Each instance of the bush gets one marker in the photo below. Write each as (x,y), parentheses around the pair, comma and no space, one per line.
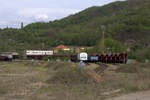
(58,66)
(129,69)
(143,54)
(132,55)
(69,75)
(111,45)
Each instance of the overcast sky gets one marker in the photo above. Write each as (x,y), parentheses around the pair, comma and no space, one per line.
(13,12)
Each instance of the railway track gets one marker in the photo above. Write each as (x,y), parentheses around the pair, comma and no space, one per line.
(101,68)
(96,74)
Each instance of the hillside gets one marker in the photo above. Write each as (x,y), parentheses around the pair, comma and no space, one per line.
(125,21)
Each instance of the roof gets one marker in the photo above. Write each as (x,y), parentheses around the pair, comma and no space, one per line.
(61,47)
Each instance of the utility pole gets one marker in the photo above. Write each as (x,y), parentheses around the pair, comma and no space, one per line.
(22,25)
(103,37)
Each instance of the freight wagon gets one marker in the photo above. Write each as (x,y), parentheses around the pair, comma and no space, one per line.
(14,55)
(6,57)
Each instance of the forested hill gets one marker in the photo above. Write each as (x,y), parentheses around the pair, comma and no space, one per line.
(125,21)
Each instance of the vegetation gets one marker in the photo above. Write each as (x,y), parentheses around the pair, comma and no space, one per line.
(126,26)
(51,80)
(124,21)
(70,76)
(143,54)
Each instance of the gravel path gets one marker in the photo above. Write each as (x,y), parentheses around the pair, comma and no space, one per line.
(145,95)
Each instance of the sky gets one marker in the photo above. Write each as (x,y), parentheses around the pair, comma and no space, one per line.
(13,12)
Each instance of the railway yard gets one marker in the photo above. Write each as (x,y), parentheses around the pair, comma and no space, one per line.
(45,75)
(75,50)
(42,80)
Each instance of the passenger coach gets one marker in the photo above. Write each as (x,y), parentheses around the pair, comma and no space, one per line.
(38,54)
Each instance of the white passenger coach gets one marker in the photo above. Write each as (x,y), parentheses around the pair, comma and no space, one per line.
(38,54)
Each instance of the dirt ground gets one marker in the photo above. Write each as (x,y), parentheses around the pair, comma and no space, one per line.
(144,95)
(29,81)
(20,81)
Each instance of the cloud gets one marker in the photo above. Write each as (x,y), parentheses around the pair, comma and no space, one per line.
(3,23)
(13,12)
(46,13)
(41,17)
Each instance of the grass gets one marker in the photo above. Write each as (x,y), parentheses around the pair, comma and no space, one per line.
(66,81)
(69,76)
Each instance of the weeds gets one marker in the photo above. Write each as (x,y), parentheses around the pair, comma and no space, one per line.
(69,76)
(51,80)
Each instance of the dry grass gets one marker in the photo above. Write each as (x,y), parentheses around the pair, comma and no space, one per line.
(33,81)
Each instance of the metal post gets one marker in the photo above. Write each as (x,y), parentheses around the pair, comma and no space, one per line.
(103,37)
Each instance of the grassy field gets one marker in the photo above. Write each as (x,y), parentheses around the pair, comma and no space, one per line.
(66,81)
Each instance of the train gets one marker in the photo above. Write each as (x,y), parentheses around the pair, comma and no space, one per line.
(8,56)
(5,58)
(83,56)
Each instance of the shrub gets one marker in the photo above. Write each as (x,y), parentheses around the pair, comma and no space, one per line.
(129,69)
(69,75)
(143,54)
